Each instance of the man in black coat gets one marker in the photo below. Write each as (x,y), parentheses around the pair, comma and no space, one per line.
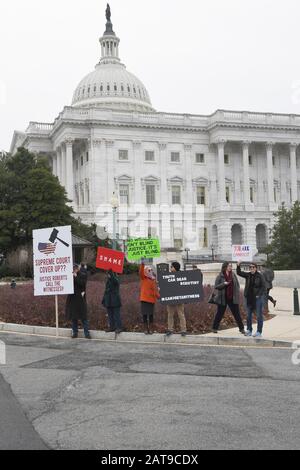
(112,302)
(255,291)
(268,275)
(76,307)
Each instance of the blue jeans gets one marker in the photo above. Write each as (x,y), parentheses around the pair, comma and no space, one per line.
(85,325)
(114,318)
(259,314)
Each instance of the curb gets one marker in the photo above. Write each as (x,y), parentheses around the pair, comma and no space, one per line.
(153,339)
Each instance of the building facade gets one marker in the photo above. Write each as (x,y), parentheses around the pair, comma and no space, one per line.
(239,167)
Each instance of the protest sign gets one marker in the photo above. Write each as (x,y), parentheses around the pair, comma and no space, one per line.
(242,253)
(143,248)
(53,261)
(110,260)
(183,287)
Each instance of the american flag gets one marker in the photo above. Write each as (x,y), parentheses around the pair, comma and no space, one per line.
(47,248)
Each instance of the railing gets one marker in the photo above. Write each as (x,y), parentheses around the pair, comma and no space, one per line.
(166,119)
(255,118)
(39,127)
(134,117)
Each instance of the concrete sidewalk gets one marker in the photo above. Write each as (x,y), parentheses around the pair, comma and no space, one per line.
(284,327)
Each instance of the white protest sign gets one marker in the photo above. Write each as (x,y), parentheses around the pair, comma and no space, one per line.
(242,253)
(53,261)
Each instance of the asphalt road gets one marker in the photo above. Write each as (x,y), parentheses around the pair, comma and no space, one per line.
(103,395)
(16,431)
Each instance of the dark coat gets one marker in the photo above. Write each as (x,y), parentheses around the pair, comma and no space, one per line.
(76,307)
(111,298)
(259,283)
(268,275)
(221,288)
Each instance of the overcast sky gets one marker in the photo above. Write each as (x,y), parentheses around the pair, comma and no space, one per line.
(194,56)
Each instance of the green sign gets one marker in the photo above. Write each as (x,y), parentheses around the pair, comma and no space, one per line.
(143,248)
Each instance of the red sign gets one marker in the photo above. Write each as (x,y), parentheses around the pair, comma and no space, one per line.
(110,260)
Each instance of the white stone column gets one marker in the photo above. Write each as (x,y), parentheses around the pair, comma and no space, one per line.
(58,163)
(188,172)
(221,174)
(69,176)
(110,184)
(250,233)
(293,157)
(246,175)
(138,174)
(63,166)
(270,174)
(224,239)
(163,156)
(54,164)
(97,173)
(165,234)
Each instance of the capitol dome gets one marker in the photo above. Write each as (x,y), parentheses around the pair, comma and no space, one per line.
(110,85)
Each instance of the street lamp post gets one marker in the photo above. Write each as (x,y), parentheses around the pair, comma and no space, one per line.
(187,250)
(124,243)
(114,204)
(212,252)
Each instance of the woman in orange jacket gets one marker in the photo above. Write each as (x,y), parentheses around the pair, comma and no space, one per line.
(148,297)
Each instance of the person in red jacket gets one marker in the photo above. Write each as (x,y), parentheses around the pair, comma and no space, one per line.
(148,296)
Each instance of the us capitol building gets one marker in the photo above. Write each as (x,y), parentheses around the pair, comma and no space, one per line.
(239,165)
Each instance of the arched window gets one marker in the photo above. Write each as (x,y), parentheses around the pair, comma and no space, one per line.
(237,234)
(261,237)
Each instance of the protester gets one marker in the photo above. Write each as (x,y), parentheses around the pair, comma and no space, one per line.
(268,275)
(148,296)
(179,309)
(112,302)
(228,288)
(255,291)
(76,307)
(83,268)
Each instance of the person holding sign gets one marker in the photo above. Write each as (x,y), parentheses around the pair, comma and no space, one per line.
(76,308)
(255,292)
(148,296)
(112,302)
(228,288)
(179,309)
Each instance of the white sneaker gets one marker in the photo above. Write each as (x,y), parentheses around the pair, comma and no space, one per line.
(257,335)
(248,333)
